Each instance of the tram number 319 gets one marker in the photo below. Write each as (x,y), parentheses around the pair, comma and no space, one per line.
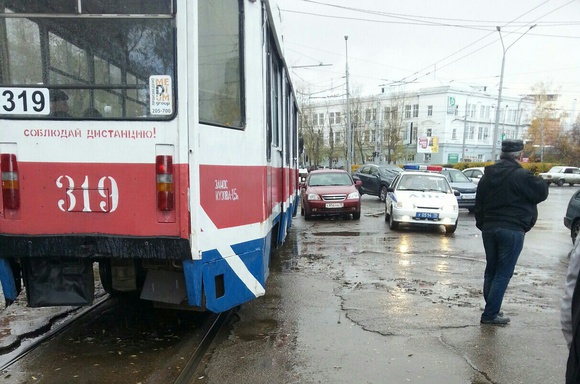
(105,195)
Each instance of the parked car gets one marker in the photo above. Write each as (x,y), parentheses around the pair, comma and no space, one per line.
(458,181)
(474,174)
(561,175)
(302,173)
(329,192)
(572,218)
(376,179)
(463,185)
(421,198)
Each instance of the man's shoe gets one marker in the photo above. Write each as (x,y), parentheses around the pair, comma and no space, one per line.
(497,321)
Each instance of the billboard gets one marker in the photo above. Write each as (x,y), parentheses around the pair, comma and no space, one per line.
(427,144)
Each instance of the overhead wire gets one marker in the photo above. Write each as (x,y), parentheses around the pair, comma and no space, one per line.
(408,17)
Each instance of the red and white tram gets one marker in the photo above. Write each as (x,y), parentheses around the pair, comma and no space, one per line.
(157,138)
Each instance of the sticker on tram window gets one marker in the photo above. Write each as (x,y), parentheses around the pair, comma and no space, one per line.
(160,94)
(24,101)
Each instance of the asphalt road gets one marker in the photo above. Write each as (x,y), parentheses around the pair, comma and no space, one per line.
(354,302)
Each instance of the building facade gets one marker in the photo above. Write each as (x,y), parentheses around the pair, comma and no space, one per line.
(432,125)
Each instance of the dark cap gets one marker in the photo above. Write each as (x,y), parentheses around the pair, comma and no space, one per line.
(512,145)
(57,95)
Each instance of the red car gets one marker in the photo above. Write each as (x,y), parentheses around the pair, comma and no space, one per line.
(330,192)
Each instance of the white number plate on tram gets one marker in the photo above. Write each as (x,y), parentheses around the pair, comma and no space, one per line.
(24,101)
(334,205)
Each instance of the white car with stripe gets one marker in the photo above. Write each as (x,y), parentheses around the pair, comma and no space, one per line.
(421,198)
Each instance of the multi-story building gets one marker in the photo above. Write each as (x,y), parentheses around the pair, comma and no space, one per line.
(437,124)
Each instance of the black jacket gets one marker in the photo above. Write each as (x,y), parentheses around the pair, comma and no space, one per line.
(507,196)
(573,364)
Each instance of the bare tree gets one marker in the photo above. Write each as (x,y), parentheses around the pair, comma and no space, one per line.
(544,131)
(393,127)
(310,131)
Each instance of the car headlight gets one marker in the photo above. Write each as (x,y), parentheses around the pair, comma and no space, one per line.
(450,207)
(405,205)
(313,196)
(353,195)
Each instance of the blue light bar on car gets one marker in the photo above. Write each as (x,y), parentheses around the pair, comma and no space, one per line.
(416,167)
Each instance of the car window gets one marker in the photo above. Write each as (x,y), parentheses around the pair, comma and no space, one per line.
(555,170)
(365,169)
(456,176)
(423,183)
(323,179)
(390,172)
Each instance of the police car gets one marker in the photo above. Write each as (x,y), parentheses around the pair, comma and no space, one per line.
(422,196)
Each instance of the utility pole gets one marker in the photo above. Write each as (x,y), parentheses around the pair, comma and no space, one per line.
(464,132)
(378,120)
(348,127)
(497,110)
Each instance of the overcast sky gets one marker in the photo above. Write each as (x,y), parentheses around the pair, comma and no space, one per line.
(393,41)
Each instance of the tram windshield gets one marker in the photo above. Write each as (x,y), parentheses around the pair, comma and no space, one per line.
(96,59)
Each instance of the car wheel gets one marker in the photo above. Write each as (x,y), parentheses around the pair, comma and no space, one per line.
(356,216)
(575,230)
(471,210)
(383,193)
(451,228)
(386,214)
(571,184)
(307,216)
(560,182)
(394,225)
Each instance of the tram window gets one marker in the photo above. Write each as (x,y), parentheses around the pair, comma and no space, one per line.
(105,63)
(220,85)
(24,53)
(148,7)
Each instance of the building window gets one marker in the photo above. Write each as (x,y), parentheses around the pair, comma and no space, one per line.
(429,110)
(407,111)
(480,133)
(472,111)
(320,119)
(485,133)
(415,110)
(411,157)
(370,114)
(454,134)
(471,132)
(387,113)
(429,131)
(427,157)
(480,158)
(334,118)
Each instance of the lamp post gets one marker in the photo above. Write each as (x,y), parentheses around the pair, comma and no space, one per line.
(497,110)
(348,127)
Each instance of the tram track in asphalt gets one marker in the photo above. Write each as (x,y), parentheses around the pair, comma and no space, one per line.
(188,372)
(150,345)
(39,336)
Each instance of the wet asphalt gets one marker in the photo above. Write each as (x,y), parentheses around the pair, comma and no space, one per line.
(354,302)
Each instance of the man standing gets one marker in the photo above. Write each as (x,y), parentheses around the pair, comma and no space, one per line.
(505,209)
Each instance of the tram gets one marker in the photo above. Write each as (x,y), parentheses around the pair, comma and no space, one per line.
(157,138)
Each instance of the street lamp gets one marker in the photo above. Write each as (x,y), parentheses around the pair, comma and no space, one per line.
(348,127)
(497,110)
